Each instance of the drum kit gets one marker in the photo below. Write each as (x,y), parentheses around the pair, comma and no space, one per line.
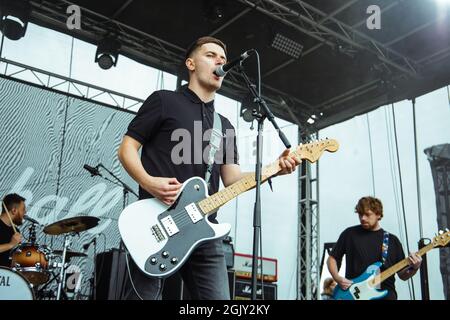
(32,264)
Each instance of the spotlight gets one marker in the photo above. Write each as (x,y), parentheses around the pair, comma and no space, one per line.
(215,11)
(107,52)
(287,46)
(14,16)
(311,120)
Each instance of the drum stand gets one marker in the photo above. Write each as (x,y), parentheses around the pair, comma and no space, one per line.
(62,274)
(43,293)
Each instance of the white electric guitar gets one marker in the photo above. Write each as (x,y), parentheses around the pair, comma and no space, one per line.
(161,238)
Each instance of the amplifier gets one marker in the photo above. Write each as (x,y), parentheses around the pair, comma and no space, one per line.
(110,269)
(243,267)
(243,290)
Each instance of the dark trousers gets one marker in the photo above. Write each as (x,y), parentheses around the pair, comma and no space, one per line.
(204,274)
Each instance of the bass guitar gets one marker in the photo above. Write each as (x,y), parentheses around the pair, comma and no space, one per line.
(365,287)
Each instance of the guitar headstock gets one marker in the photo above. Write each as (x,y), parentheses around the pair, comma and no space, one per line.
(442,239)
(312,151)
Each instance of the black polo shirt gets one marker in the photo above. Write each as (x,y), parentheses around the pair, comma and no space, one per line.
(6,232)
(171,128)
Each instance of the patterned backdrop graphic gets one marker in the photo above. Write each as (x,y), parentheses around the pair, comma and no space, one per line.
(46,139)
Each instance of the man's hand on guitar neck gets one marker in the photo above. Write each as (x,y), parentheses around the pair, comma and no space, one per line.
(414,264)
(288,162)
(414,261)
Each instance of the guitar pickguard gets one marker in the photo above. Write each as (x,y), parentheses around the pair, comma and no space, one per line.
(182,231)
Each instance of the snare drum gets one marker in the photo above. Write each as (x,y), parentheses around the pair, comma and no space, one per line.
(31,261)
(14,286)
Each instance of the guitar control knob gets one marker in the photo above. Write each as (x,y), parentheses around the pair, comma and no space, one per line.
(162,267)
(153,260)
(165,254)
(174,260)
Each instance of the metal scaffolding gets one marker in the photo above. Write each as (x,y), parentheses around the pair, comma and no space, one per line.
(152,50)
(66,85)
(321,26)
(439,158)
(308,261)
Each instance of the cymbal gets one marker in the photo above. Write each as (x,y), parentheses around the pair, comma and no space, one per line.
(70,254)
(74,224)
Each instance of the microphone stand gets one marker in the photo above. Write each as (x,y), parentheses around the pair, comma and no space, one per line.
(260,115)
(94,289)
(119,182)
(126,190)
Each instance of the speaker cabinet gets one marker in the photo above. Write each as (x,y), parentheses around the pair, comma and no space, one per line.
(110,271)
(243,290)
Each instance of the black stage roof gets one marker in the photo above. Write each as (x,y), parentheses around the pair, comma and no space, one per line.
(345,68)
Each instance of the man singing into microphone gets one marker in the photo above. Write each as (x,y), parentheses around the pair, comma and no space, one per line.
(162,168)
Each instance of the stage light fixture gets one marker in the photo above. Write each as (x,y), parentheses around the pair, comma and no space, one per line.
(287,46)
(215,11)
(14,16)
(107,52)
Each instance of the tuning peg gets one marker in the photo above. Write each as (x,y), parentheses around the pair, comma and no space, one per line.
(441,232)
(446,230)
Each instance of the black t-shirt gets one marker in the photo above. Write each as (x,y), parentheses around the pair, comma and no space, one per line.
(6,233)
(169,120)
(363,248)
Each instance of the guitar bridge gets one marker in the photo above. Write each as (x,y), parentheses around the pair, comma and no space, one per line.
(156,232)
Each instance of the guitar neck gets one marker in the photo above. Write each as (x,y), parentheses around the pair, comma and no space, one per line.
(310,152)
(399,266)
(214,202)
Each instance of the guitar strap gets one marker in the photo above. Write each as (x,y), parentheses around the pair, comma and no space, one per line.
(384,247)
(214,143)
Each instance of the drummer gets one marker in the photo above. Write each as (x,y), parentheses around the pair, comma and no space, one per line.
(8,237)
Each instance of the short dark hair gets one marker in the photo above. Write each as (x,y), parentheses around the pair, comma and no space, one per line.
(11,200)
(371,203)
(201,41)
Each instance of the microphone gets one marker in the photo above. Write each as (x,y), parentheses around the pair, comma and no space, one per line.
(30,219)
(93,171)
(222,70)
(87,244)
